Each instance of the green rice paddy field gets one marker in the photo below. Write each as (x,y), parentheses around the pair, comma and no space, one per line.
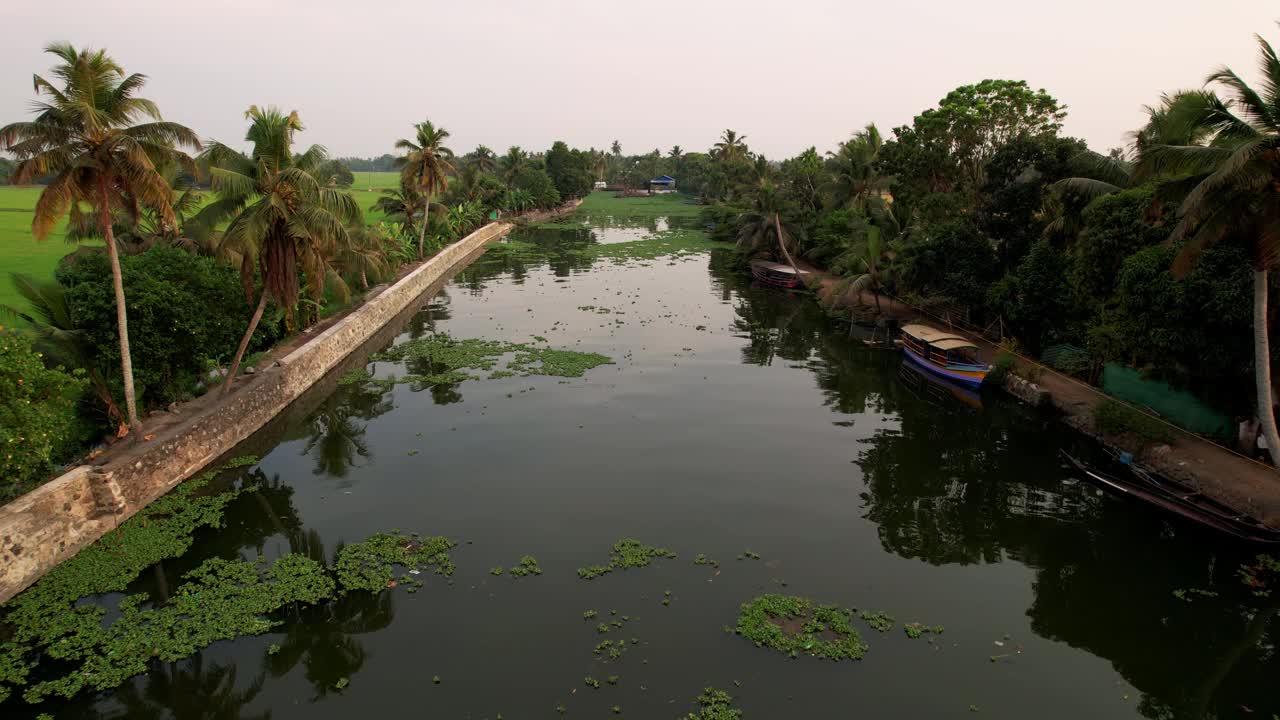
(22,253)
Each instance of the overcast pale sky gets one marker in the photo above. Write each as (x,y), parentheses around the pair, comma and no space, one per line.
(787,73)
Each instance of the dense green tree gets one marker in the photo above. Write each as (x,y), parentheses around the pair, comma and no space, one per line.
(1035,300)
(86,136)
(947,148)
(170,295)
(37,414)
(7,167)
(569,171)
(1018,176)
(803,178)
(950,263)
(537,184)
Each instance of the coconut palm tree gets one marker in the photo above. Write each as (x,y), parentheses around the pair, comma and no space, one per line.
(482,159)
(399,206)
(86,135)
(732,146)
(855,182)
(616,148)
(513,162)
(425,167)
(676,155)
(875,263)
(1230,179)
(281,215)
(763,228)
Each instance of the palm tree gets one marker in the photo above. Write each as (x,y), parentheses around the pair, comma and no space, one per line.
(482,159)
(856,183)
(85,135)
(425,167)
(513,162)
(281,215)
(763,227)
(399,205)
(138,232)
(616,148)
(1230,178)
(732,146)
(876,265)
(676,155)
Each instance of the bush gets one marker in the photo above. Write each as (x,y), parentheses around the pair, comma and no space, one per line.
(538,184)
(38,423)
(186,314)
(1112,418)
(1005,363)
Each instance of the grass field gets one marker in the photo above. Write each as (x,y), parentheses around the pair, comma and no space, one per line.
(376,181)
(19,251)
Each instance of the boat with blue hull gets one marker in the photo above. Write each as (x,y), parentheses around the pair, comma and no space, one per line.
(944,354)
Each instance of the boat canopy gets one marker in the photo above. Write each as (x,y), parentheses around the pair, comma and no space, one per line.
(930,335)
(953,344)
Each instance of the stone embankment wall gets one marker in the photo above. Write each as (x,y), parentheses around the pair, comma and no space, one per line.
(53,522)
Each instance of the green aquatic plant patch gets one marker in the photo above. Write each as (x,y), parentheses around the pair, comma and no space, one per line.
(627,553)
(528,565)
(796,625)
(715,704)
(370,565)
(449,359)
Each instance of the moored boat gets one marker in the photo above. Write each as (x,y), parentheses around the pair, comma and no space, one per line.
(944,354)
(1180,500)
(777,274)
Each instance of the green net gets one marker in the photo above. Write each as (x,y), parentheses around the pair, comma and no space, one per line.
(1068,359)
(1176,406)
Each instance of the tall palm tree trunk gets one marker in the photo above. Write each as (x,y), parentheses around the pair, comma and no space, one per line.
(782,244)
(122,315)
(244,342)
(1262,366)
(422,231)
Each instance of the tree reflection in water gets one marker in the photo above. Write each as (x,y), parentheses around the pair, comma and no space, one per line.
(954,482)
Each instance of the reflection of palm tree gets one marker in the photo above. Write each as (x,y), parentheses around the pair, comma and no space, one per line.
(336,438)
(188,689)
(320,637)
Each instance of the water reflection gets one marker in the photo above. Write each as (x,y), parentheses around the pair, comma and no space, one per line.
(949,478)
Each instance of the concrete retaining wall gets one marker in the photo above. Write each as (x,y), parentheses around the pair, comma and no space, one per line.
(52,523)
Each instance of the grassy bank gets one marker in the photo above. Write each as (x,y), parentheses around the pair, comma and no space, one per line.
(603,205)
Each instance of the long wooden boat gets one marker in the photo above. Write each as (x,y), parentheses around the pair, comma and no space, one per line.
(944,354)
(931,387)
(1180,500)
(777,274)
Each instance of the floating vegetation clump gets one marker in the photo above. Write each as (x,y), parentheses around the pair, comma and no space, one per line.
(448,361)
(528,566)
(796,625)
(878,620)
(701,559)
(627,553)
(370,565)
(915,630)
(715,704)
(1261,576)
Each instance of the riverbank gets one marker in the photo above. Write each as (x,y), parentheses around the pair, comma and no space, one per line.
(1245,484)
(53,522)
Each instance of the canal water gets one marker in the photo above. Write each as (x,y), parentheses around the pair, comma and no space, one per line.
(735,422)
